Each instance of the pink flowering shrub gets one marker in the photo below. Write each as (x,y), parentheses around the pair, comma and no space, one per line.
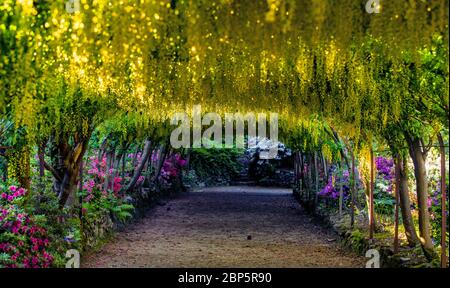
(95,183)
(98,174)
(171,168)
(98,199)
(23,242)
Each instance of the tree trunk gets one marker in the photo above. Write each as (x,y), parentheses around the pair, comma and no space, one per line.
(295,168)
(138,171)
(67,154)
(109,175)
(149,167)
(134,163)
(148,164)
(101,150)
(443,204)
(67,182)
(396,212)
(405,204)
(124,159)
(310,179)
(41,153)
(338,142)
(419,156)
(304,185)
(161,159)
(188,159)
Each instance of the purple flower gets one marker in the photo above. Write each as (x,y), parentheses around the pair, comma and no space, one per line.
(385,167)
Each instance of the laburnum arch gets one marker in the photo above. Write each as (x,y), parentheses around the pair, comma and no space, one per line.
(343,81)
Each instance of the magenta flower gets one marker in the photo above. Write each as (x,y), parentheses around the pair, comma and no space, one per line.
(140,179)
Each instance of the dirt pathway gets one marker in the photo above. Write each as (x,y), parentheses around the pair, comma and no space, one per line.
(226,227)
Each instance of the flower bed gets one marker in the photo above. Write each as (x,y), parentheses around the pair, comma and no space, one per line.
(23,241)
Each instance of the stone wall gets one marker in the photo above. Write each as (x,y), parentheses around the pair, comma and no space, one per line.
(96,231)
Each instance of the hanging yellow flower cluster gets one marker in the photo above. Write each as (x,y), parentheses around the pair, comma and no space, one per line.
(154,58)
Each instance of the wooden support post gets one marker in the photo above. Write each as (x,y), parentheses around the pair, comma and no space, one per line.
(311,181)
(309,177)
(316,180)
(352,215)
(341,190)
(371,191)
(325,168)
(295,170)
(397,203)
(298,171)
(80,189)
(303,176)
(443,204)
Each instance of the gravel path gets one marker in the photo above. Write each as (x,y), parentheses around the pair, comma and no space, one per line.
(226,227)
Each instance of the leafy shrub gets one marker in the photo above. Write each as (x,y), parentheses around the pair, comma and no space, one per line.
(215,163)
(357,241)
(98,203)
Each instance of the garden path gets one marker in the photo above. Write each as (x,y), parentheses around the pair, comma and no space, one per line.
(236,226)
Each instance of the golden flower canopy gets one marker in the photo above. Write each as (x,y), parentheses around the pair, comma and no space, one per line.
(297,58)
